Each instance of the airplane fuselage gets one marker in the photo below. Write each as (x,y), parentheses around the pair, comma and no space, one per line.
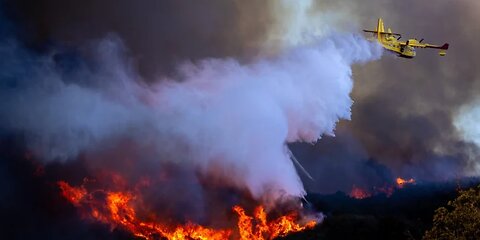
(393,45)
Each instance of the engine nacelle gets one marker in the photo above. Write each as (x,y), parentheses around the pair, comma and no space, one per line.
(412,41)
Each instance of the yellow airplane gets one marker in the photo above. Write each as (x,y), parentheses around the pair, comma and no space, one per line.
(390,41)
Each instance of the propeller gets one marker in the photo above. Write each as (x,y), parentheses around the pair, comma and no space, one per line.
(421,40)
(399,37)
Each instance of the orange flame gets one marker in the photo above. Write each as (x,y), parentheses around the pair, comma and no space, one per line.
(117,210)
(402,182)
(74,195)
(264,229)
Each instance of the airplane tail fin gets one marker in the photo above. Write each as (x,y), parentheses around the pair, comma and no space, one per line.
(380,32)
(445,46)
(380,26)
(380,29)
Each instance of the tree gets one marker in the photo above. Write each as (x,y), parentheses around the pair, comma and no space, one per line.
(459,220)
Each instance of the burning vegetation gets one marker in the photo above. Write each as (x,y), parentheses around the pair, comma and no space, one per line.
(127,210)
(359,193)
(387,189)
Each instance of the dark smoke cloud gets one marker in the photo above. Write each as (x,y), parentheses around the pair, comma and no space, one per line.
(160,34)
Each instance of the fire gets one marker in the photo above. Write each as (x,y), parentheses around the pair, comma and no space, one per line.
(402,182)
(117,209)
(387,189)
(74,195)
(264,229)
(359,193)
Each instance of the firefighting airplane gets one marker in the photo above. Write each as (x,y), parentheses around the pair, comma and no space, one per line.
(390,41)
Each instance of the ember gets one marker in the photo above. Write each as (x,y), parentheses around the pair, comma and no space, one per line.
(359,193)
(117,209)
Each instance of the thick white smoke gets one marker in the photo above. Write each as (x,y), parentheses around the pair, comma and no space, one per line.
(467,124)
(217,114)
(467,121)
(298,22)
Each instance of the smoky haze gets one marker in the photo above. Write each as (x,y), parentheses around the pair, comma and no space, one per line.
(402,118)
(404,111)
(159,34)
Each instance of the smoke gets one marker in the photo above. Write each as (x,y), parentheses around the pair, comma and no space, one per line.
(405,110)
(217,112)
(466,123)
(299,22)
(158,34)
(64,111)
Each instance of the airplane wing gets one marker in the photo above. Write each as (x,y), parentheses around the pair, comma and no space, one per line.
(386,33)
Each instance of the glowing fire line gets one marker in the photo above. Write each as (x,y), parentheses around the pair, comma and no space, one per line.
(117,211)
